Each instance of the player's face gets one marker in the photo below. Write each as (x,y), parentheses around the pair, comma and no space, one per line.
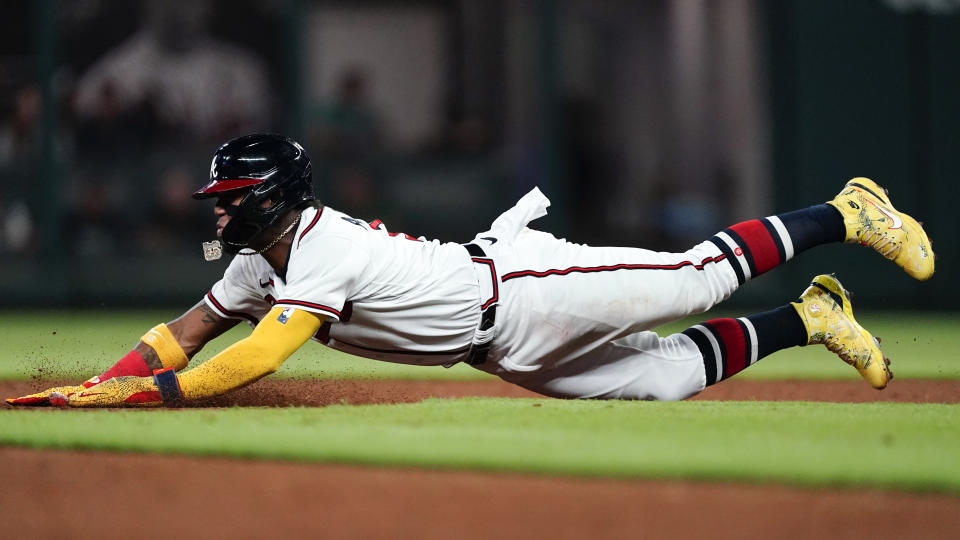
(220,209)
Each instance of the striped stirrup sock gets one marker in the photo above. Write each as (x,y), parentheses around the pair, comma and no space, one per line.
(756,246)
(729,346)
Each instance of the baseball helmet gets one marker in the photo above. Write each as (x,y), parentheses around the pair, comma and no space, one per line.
(266,167)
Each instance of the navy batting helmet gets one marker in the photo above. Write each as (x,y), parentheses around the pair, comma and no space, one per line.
(267,167)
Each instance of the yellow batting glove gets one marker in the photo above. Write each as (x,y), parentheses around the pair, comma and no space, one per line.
(42,399)
(58,393)
(128,391)
(115,392)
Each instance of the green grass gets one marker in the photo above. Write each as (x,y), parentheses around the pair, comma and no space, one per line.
(80,344)
(883,446)
(51,345)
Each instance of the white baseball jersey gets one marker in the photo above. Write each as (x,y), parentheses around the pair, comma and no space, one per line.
(385,295)
(571,320)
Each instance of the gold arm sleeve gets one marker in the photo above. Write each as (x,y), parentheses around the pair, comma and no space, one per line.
(246,361)
(169,351)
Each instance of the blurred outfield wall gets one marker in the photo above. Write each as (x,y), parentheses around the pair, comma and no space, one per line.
(586,99)
(863,88)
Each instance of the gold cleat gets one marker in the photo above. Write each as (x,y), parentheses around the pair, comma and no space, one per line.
(872,221)
(826,313)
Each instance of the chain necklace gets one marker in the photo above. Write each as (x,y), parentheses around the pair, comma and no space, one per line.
(276,240)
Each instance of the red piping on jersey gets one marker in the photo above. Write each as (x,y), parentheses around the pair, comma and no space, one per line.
(415,353)
(493,275)
(229,184)
(227,312)
(375,225)
(611,268)
(301,303)
(316,218)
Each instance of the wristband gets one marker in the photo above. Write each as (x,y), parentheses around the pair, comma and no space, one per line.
(169,386)
(132,364)
(161,340)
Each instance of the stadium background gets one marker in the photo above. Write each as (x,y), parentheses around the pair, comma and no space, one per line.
(648,123)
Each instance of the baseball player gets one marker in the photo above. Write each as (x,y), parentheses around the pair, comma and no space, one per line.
(562,319)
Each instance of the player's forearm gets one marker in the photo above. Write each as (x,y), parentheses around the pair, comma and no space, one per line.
(198,326)
(188,333)
(272,342)
(157,349)
(171,344)
(239,365)
(277,336)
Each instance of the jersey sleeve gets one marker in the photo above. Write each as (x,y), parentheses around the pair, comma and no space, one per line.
(323,275)
(236,297)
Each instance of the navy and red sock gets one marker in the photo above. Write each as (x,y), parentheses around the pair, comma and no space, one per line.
(753,247)
(758,245)
(729,346)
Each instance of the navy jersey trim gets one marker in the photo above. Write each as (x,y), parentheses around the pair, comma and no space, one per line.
(610,268)
(311,305)
(230,314)
(415,353)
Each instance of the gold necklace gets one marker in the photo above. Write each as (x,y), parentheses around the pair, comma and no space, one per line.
(275,240)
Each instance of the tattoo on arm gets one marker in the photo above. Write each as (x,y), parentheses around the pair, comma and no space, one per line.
(197,326)
(209,316)
(149,355)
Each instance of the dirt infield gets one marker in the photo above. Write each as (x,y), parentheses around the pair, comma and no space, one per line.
(60,494)
(320,393)
(104,495)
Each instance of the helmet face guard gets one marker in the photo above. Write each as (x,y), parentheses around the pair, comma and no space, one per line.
(272,172)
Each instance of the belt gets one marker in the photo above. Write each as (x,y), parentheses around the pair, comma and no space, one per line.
(483,337)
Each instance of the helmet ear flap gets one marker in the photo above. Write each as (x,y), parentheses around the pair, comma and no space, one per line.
(274,199)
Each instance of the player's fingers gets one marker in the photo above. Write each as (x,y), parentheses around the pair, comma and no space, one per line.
(42,399)
(33,400)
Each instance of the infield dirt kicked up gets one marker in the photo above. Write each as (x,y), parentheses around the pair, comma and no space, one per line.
(320,393)
(106,495)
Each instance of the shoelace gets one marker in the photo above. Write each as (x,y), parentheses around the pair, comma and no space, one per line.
(881,242)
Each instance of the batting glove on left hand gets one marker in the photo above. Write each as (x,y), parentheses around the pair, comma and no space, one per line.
(127,392)
(42,399)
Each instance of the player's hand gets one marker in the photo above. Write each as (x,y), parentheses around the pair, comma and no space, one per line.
(42,399)
(115,392)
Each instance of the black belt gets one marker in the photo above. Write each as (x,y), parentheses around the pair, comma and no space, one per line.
(478,352)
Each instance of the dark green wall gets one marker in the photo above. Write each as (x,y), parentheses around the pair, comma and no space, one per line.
(858,89)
